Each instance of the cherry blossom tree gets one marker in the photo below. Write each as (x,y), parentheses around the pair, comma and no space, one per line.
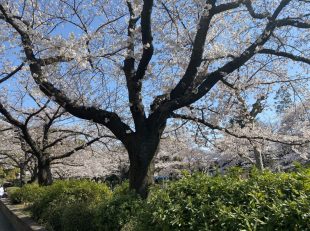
(13,152)
(103,61)
(43,134)
(247,137)
(295,121)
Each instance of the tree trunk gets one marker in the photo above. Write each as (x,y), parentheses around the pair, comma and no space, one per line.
(142,153)
(34,173)
(22,174)
(44,172)
(258,158)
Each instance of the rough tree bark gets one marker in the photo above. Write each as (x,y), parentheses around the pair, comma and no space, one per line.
(22,174)
(34,174)
(44,172)
(142,153)
(258,158)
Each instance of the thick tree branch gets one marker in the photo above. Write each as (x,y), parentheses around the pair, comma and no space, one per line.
(293,22)
(134,83)
(12,73)
(52,60)
(81,147)
(197,52)
(285,54)
(232,133)
(147,39)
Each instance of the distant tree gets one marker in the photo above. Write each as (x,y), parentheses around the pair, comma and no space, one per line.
(245,136)
(295,121)
(43,134)
(14,152)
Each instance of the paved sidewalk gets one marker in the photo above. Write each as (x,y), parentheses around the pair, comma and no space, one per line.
(4,224)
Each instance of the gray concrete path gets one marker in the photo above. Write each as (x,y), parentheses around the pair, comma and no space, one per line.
(4,223)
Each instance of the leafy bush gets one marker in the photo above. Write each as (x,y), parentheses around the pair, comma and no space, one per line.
(265,201)
(121,211)
(63,193)
(9,174)
(14,194)
(78,217)
(53,203)
(27,194)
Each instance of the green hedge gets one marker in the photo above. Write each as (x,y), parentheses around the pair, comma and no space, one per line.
(121,211)
(237,201)
(264,201)
(65,204)
(27,194)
